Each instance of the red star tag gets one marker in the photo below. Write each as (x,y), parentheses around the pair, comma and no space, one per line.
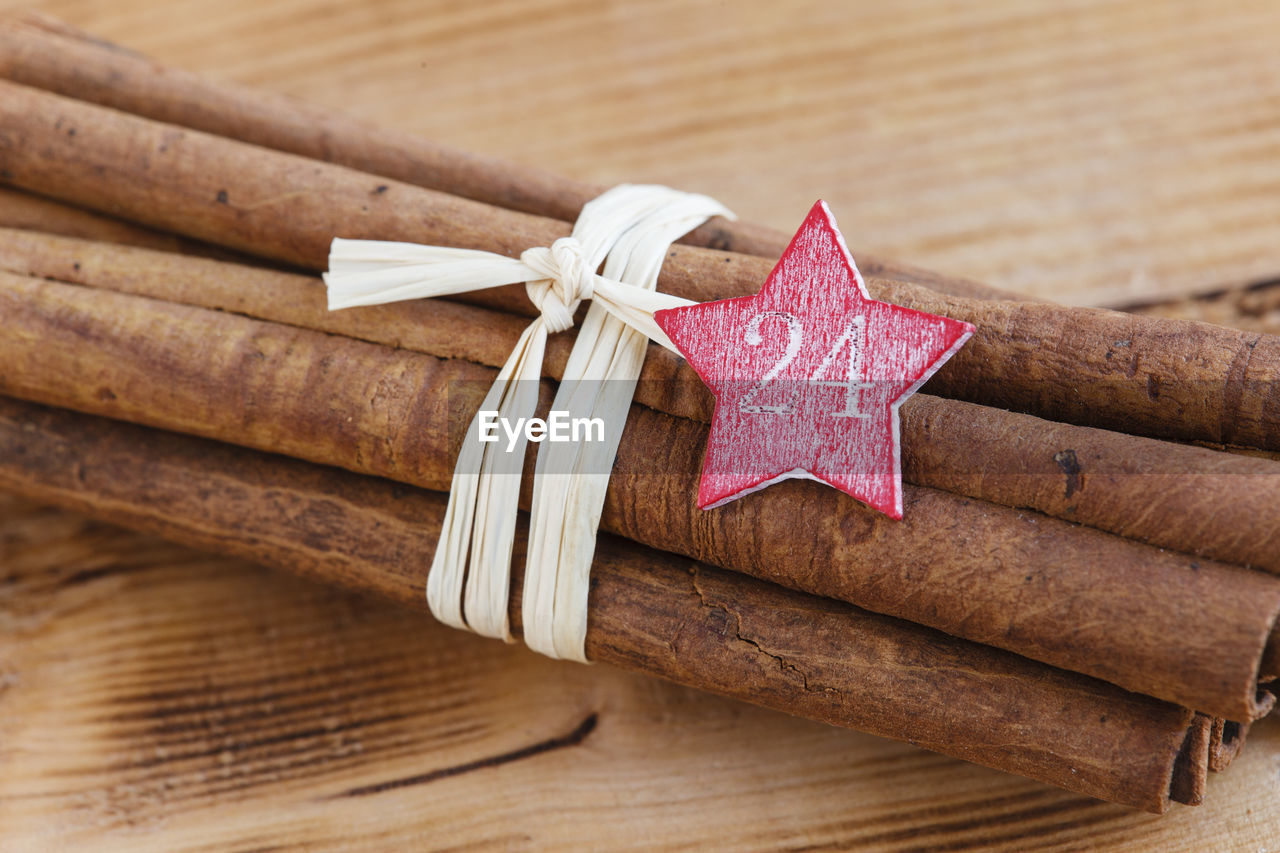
(809,373)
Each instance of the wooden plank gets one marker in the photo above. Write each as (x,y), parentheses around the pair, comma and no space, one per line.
(1097,153)
(152,698)
(156,699)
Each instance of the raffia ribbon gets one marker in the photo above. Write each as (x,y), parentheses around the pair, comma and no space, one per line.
(629,228)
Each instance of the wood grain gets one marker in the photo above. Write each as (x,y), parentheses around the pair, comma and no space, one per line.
(1100,153)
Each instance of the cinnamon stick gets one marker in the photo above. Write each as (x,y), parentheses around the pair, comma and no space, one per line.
(1101,368)
(1187,630)
(30,212)
(1226,740)
(650,612)
(1190,499)
(40,51)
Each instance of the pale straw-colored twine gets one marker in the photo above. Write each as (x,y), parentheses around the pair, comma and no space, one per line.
(630,229)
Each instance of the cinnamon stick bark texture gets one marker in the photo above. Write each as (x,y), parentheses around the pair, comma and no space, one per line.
(1187,630)
(33,213)
(1135,374)
(42,52)
(1190,499)
(1226,740)
(650,612)
(1189,787)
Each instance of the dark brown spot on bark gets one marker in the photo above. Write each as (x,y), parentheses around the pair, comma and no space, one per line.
(1069,465)
(222,196)
(720,239)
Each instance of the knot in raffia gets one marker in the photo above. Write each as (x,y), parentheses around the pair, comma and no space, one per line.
(566,281)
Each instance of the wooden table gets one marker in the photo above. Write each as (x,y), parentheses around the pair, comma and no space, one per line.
(152,698)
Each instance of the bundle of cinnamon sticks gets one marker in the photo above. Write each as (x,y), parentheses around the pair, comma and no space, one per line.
(1065,575)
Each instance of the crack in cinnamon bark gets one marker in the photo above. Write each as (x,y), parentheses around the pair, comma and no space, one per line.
(782,662)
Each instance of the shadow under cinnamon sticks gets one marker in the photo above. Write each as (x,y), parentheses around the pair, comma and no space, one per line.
(650,612)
